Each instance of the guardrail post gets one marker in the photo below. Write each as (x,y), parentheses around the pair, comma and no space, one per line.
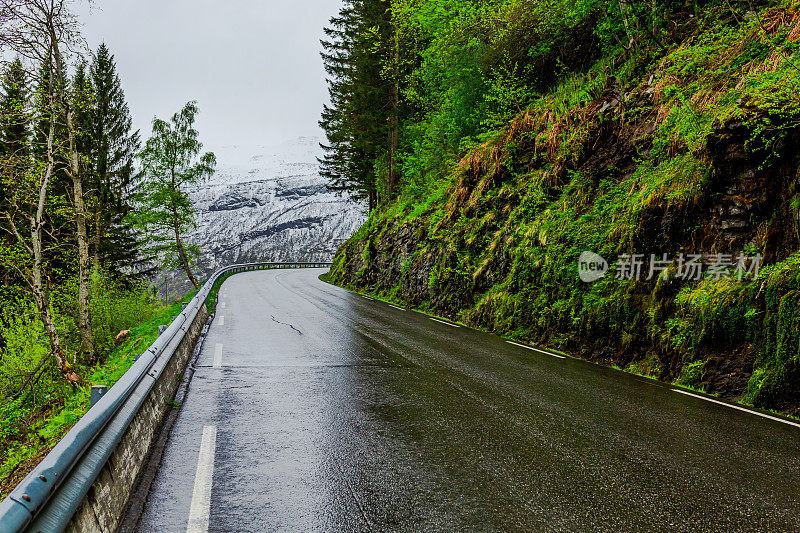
(98,391)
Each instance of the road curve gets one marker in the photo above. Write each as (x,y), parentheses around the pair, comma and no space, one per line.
(316,409)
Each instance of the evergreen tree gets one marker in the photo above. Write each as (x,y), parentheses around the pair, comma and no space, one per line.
(359,121)
(14,145)
(82,94)
(14,117)
(114,147)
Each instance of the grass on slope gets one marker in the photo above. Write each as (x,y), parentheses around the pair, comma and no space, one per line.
(32,434)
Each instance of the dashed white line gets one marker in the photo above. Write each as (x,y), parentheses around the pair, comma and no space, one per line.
(397,307)
(218,355)
(223,305)
(201,495)
(443,322)
(222,320)
(536,349)
(764,415)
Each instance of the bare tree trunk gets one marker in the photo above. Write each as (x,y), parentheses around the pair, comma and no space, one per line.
(394,119)
(624,11)
(40,293)
(184,258)
(84,267)
(84,264)
(391,185)
(101,223)
(182,255)
(41,297)
(99,235)
(654,14)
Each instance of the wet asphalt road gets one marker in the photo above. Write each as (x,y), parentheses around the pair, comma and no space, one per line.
(327,411)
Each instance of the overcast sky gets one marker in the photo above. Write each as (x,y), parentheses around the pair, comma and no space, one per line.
(252,65)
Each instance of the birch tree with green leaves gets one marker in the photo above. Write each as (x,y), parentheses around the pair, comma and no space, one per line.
(171,163)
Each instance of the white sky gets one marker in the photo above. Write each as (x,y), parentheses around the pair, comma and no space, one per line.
(253,66)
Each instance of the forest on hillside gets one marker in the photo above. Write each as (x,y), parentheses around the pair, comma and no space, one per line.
(499,140)
(88,213)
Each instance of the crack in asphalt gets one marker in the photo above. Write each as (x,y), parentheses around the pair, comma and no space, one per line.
(285,324)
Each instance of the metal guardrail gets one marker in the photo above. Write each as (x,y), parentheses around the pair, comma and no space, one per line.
(31,498)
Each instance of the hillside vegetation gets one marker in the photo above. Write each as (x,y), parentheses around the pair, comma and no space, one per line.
(87,216)
(524,133)
(34,419)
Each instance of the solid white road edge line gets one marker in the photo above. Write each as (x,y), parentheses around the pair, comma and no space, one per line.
(443,322)
(536,349)
(397,307)
(764,415)
(218,355)
(201,495)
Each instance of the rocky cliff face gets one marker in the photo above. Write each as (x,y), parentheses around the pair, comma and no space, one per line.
(499,249)
(267,204)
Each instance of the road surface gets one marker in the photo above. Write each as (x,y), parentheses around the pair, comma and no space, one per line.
(316,409)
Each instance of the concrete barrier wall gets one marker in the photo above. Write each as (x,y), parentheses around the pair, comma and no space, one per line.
(104,506)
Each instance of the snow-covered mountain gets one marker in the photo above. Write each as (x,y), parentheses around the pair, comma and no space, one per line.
(268,203)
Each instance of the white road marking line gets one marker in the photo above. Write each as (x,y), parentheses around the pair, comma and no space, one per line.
(443,322)
(551,353)
(201,495)
(223,305)
(222,320)
(397,307)
(536,349)
(687,393)
(218,355)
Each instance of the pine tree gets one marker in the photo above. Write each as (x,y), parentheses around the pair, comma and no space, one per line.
(82,94)
(14,117)
(114,147)
(359,121)
(14,146)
